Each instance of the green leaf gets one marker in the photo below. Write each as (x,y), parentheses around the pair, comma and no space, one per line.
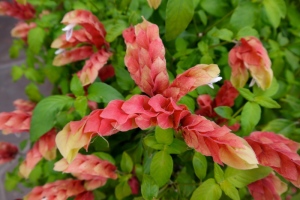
(35,39)
(105,156)
(101,92)
(218,173)
(250,117)
(34,75)
(11,181)
(185,183)
(246,31)
(178,16)
(266,102)
(81,105)
(241,178)
(200,165)
(189,102)
(76,86)
(124,79)
(282,126)
(161,167)
(230,190)
(224,111)
(33,93)
(245,14)
(208,190)
(36,173)
(164,136)
(126,163)
(151,142)
(16,73)
(268,92)
(177,147)
(149,188)
(223,34)
(217,8)
(275,9)
(246,94)
(292,59)
(203,17)
(114,28)
(44,114)
(122,190)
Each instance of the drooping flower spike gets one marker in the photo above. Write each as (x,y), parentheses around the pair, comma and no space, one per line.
(22,29)
(44,148)
(277,152)
(17,10)
(250,54)
(91,35)
(17,121)
(270,187)
(8,152)
(146,64)
(61,189)
(89,168)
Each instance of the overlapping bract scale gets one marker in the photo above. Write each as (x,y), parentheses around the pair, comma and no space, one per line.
(277,152)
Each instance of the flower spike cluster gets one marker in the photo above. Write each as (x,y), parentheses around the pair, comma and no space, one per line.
(90,168)
(58,190)
(17,121)
(92,35)
(44,148)
(277,152)
(17,10)
(146,64)
(250,54)
(8,152)
(22,29)
(270,187)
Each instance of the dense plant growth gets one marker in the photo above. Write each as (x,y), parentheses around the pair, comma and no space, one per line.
(156,99)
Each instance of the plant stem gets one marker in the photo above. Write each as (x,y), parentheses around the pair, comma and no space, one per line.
(237,112)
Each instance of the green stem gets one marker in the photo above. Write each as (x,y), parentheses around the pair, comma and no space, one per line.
(217,22)
(237,112)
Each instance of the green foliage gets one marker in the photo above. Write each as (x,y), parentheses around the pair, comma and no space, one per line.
(101,92)
(161,167)
(209,189)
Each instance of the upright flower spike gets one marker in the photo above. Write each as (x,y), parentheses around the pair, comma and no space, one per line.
(270,187)
(24,105)
(89,168)
(8,152)
(58,190)
(277,152)
(44,148)
(17,10)
(145,58)
(22,29)
(191,79)
(250,54)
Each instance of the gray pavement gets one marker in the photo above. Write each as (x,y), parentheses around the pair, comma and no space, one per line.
(10,91)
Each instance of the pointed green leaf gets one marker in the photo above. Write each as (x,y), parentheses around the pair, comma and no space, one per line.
(247,94)
(250,116)
(275,10)
(122,190)
(224,111)
(76,86)
(245,14)
(218,173)
(33,92)
(35,39)
(208,190)
(200,165)
(246,31)
(241,178)
(161,167)
(266,102)
(81,105)
(178,16)
(268,92)
(151,142)
(177,147)
(105,156)
(282,126)
(230,190)
(164,136)
(126,163)
(149,188)
(44,114)
(16,73)
(101,92)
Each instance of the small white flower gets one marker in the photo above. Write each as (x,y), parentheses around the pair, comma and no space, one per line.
(59,51)
(69,31)
(214,80)
(252,82)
